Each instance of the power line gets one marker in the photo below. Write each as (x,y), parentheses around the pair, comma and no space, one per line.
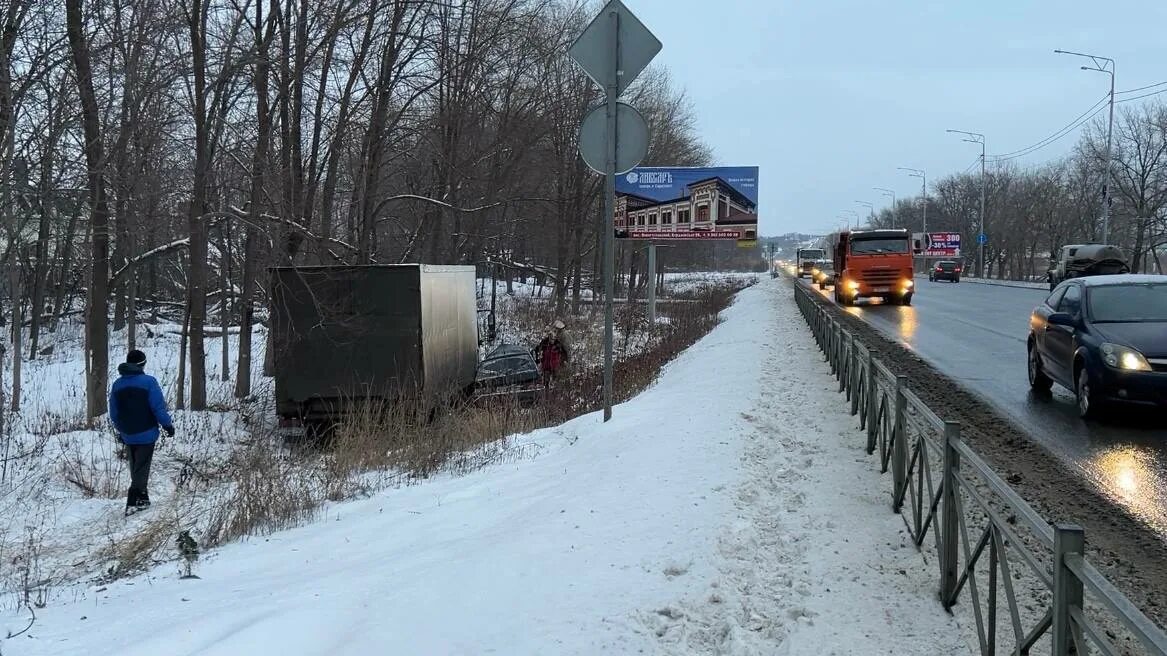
(1082,118)
(1149,86)
(970,166)
(1145,95)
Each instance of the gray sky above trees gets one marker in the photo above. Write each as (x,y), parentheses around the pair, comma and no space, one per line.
(830,97)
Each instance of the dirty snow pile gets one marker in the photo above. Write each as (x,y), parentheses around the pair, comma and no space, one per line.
(728,509)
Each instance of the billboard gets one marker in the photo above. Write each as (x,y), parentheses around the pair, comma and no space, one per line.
(674,203)
(936,244)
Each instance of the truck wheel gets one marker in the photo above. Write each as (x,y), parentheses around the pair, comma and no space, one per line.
(906,300)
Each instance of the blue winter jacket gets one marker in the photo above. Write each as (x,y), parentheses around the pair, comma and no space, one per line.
(136,406)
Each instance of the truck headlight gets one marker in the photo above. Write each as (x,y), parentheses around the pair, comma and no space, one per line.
(1124,357)
(815,271)
(908,284)
(852,285)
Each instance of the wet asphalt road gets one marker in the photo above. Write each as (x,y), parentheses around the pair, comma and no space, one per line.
(976,334)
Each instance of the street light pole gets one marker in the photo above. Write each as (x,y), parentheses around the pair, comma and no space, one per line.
(978,138)
(870,210)
(920,173)
(1102,65)
(892,193)
(855,214)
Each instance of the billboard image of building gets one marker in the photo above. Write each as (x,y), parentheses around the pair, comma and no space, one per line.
(662,203)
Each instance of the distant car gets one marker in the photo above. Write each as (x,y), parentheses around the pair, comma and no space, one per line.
(945,270)
(508,371)
(823,274)
(1104,338)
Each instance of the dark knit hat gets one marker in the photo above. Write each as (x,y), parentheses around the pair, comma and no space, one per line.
(136,357)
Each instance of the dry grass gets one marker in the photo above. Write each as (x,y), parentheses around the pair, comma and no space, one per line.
(268,489)
(95,468)
(259,485)
(138,551)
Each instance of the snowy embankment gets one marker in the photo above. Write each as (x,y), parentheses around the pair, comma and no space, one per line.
(728,509)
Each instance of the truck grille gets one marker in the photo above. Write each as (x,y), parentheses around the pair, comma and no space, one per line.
(880,277)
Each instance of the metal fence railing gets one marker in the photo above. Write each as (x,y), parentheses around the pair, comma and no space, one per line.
(1029,584)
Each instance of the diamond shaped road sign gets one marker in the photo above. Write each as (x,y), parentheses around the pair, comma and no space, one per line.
(596,48)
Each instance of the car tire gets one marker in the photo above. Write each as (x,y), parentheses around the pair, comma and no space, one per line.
(1038,381)
(957,279)
(1089,404)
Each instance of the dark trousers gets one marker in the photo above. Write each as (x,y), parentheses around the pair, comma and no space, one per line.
(141,455)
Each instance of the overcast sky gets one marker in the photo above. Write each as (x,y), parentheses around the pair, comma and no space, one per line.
(829,97)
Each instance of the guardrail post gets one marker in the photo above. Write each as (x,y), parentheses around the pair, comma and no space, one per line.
(872,402)
(853,378)
(846,342)
(899,453)
(949,520)
(1068,539)
(836,335)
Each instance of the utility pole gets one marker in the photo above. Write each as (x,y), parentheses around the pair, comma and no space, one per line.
(982,234)
(892,193)
(1102,65)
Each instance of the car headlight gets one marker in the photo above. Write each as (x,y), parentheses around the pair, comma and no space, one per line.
(1124,357)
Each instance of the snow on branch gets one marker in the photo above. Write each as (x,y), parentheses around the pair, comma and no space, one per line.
(176,245)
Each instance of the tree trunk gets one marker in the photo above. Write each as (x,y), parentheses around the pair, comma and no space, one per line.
(17,326)
(225,302)
(132,312)
(258,166)
(196,298)
(97,303)
(180,391)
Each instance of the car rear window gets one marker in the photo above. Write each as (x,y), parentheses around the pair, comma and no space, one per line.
(508,365)
(1129,303)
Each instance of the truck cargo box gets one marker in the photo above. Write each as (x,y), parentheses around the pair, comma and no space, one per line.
(345,334)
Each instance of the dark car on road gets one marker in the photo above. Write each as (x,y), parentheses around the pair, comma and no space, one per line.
(508,372)
(945,270)
(1104,338)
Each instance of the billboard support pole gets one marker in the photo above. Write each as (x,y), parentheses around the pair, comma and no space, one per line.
(612,92)
(651,285)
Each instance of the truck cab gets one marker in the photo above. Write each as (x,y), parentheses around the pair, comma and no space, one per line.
(873,264)
(1077,260)
(806,260)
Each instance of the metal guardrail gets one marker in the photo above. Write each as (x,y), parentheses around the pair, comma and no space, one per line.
(989,542)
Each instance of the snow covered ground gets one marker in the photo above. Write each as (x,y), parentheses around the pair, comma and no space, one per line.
(728,509)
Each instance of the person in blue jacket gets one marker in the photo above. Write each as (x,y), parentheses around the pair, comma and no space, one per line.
(137,409)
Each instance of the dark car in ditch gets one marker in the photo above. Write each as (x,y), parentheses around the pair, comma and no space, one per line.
(508,372)
(1105,339)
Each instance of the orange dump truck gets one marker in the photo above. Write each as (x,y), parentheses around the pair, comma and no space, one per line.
(873,264)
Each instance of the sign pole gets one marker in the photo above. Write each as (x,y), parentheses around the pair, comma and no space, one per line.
(651,285)
(612,92)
